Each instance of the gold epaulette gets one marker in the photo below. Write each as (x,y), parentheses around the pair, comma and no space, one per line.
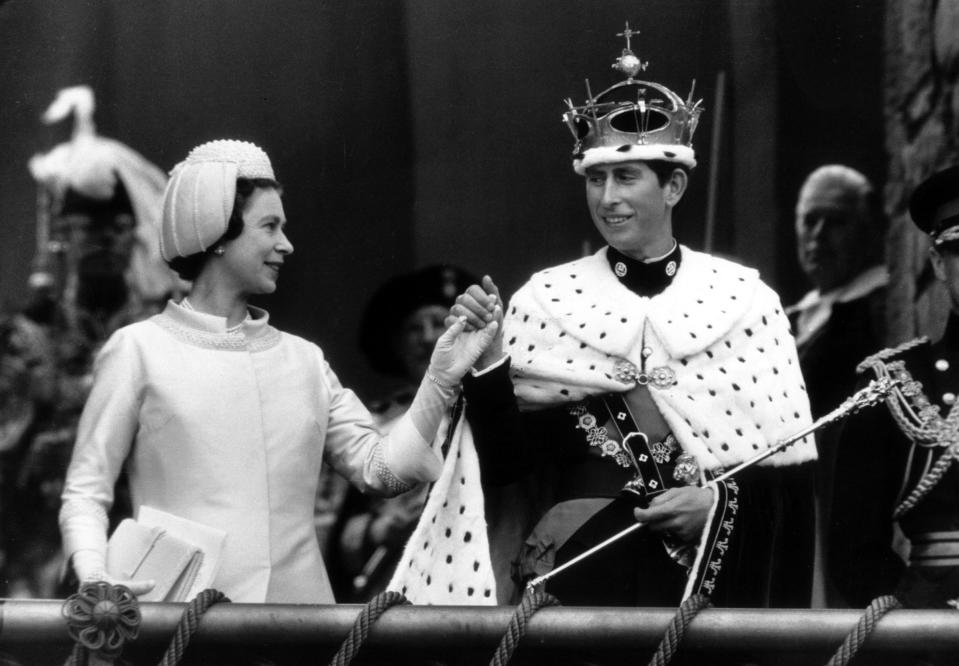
(880,357)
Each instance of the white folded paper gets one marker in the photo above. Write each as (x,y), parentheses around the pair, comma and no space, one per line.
(181,555)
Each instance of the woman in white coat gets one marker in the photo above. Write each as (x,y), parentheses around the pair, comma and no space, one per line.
(222,419)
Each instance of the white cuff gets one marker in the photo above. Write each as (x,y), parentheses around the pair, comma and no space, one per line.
(479,373)
(83,526)
(408,452)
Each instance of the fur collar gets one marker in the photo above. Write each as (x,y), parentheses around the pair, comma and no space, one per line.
(721,331)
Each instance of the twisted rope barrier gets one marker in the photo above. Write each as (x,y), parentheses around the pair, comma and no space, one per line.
(516,628)
(855,638)
(676,631)
(189,623)
(361,628)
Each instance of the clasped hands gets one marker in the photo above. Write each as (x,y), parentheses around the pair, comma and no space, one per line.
(468,337)
(481,308)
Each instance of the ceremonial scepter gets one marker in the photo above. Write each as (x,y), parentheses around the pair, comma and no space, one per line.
(876,390)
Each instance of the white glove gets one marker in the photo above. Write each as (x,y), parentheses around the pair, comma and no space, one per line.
(457,350)
(407,452)
(90,565)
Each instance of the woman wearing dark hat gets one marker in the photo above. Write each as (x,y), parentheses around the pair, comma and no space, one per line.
(897,464)
(400,325)
(223,420)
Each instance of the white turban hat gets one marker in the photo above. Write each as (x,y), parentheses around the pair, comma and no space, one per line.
(200,194)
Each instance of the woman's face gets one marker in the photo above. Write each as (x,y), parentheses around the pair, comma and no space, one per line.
(252,260)
(417,335)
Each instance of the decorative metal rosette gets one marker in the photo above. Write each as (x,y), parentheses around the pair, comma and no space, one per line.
(662,377)
(686,469)
(102,617)
(610,447)
(587,421)
(625,372)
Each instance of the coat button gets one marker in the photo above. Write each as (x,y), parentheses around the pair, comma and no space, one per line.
(948,398)
(942,365)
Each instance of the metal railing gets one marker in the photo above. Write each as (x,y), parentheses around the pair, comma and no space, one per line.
(467,634)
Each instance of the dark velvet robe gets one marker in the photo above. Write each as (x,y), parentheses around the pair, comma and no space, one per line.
(760,539)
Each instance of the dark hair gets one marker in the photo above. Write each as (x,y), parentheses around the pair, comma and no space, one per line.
(188,268)
(664,169)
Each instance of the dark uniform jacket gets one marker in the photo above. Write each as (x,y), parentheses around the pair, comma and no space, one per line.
(882,459)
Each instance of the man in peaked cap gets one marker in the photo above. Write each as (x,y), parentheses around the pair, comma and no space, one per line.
(633,377)
(896,462)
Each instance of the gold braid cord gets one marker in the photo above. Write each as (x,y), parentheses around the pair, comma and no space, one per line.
(918,418)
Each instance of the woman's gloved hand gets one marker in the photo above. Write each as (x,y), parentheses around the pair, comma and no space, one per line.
(90,565)
(457,350)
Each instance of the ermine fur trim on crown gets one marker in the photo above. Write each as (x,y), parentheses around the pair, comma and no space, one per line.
(665,152)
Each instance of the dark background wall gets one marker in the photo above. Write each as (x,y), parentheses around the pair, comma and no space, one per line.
(417,131)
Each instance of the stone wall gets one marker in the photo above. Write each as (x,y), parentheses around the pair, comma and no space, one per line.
(922,137)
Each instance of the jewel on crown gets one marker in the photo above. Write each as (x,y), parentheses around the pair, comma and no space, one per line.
(635,118)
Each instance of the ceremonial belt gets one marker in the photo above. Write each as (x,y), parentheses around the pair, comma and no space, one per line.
(935,549)
(658,465)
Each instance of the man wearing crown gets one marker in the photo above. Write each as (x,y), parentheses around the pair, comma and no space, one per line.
(623,383)
(897,464)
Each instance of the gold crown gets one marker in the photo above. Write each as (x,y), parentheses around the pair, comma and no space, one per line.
(633,119)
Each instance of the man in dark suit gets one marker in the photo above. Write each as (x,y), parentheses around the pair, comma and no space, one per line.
(839,233)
